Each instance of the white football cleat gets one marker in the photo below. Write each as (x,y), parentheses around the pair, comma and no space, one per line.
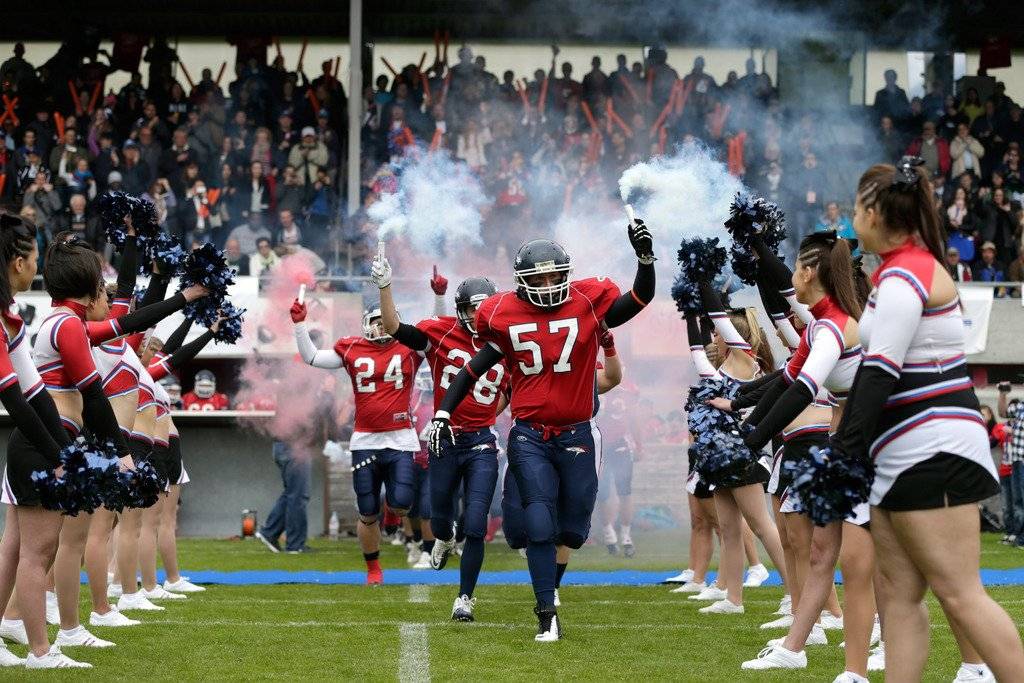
(558,600)
(690,587)
(79,637)
(158,593)
(849,677)
(136,600)
(684,576)
(781,622)
(412,553)
(442,549)
(785,605)
(974,673)
(549,628)
(8,658)
(462,610)
(722,607)
(54,659)
(182,585)
(830,622)
(111,618)
(398,538)
(52,612)
(423,561)
(710,593)
(14,631)
(876,658)
(776,657)
(756,575)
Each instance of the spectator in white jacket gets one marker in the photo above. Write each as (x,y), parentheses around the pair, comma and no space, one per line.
(966,152)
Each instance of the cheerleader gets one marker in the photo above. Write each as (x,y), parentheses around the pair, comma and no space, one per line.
(63,357)
(827,358)
(914,413)
(740,342)
(31,531)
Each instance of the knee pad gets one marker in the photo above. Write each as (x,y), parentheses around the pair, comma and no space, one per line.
(474,521)
(571,540)
(540,523)
(515,532)
(368,521)
(400,499)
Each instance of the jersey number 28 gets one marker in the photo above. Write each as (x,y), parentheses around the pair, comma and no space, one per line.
(367,367)
(570,325)
(484,391)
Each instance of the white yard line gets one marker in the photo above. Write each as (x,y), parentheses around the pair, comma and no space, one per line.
(413,653)
(419,593)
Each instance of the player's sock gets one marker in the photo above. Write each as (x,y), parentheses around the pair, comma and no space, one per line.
(559,573)
(417,536)
(372,560)
(427,546)
(470,564)
(540,557)
(627,536)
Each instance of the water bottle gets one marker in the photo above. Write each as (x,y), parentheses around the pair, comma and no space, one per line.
(332,527)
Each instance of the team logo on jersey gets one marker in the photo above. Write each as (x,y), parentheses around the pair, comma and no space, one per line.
(576,450)
(400,417)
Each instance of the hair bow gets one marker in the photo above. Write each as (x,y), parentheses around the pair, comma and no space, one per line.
(906,171)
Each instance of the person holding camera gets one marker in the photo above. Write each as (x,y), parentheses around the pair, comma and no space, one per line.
(1013,454)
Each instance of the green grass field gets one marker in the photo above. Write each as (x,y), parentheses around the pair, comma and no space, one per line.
(313,632)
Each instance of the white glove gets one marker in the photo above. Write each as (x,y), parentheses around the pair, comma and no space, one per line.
(333,451)
(380,272)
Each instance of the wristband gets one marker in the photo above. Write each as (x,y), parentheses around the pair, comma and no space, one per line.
(609,351)
(442,415)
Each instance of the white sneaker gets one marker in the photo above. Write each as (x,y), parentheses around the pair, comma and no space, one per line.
(79,637)
(830,622)
(398,538)
(423,562)
(816,637)
(136,600)
(690,587)
(8,658)
(974,673)
(710,593)
(111,618)
(412,553)
(14,631)
(158,593)
(442,549)
(876,658)
(114,590)
(558,600)
(182,585)
(610,537)
(876,634)
(684,576)
(785,605)
(849,677)
(722,607)
(756,575)
(781,622)
(54,659)
(52,611)
(462,610)
(776,657)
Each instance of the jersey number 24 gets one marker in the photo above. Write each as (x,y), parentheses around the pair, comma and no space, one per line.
(366,368)
(536,364)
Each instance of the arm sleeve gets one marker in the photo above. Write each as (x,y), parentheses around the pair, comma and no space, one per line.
(826,346)
(184,354)
(143,318)
(412,336)
(30,423)
(697,354)
(765,403)
(632,302)
(312,355)
(783,411)
(46,409)
(483,361)
(775,271)
(177,337)
(750,396)
(128,268)
(100,419)
(156,291)
(716,311)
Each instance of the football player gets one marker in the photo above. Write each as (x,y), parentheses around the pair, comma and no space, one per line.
(547,333)
(470,462)
(383,442)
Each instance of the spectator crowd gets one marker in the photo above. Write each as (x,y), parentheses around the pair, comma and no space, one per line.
(257,167)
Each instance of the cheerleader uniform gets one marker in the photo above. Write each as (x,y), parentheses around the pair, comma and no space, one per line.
(914,411)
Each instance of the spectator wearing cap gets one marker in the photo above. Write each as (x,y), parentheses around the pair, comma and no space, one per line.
(957,269)
(933,149)
(135,175)
(309,155)
(987,269)
(966,152)
(114,182)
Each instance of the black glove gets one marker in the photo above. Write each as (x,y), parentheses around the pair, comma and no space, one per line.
(1003,387)
(440,432)
(642,242)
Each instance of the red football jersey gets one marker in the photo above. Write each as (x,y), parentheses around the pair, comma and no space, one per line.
(382,382)
(452,347)
(550,353)
(216,402)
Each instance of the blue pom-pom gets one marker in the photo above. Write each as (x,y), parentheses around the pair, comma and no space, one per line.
(80,488)
(721,456)
(113,207)
(168,252)
(749,216)
(828,485)
(136,488)
(206,266)
(230,329)
(700,260)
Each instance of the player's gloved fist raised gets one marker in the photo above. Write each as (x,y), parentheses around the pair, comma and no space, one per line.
(297,312)
(440,432)
(607,340)
(380,272)
(641,241)
(439,283)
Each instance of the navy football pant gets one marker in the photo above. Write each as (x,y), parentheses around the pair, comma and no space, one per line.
(388,467)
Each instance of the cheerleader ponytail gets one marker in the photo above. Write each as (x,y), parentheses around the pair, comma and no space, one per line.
(17,237)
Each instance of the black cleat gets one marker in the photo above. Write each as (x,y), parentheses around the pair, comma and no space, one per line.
(613,549)
(628,550)
(549,626)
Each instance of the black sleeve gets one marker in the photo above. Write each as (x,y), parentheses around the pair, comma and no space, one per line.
(632,302)
(871,389)
(778,272)
(705,330)
(46,409)
(758,384)
(144,317)
(783,411)
(486,358)
(412,336)
(752,397)
(190,350)
(692,330)
(128,268)
(774,303)
(30,423)
(174,341)
(156,291)
(99,417)
(775,390)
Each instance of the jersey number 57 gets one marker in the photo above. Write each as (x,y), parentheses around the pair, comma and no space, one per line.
(570,325)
